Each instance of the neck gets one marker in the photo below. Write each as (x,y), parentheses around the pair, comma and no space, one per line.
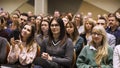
(45,33)
(113,28)
(56,37)
(24,39)
(88,31)
(97,45)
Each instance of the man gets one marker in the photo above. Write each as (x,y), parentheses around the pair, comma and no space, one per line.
(23,19)
(111,38)
(113,27)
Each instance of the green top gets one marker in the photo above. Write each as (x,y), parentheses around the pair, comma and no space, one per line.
(86,58)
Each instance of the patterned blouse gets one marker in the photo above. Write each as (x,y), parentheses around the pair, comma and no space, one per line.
(25,56)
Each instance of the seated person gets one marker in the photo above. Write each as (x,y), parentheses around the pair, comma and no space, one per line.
(4,49)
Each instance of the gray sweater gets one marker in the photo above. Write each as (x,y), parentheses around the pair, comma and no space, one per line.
(61,54)
(3,50)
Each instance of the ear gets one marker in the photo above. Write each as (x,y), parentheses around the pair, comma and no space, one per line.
(117,23)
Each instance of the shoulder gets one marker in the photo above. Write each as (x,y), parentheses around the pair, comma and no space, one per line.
(117,47)
(38,36)
(86,47)
(80,38)
(110,35)
(3,40)
(69,40)
(110,48)
(34,44)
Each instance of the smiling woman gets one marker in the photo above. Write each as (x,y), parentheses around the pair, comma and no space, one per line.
(57,51)
(23,51)
(97,54)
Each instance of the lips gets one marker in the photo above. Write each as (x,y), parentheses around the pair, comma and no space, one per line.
(24,33)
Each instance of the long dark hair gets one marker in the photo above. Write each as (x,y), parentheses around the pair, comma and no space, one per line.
(75,34)
(62,36)
(31,37)
(41,32)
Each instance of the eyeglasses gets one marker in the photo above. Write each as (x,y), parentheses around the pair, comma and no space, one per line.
(54,25)
(23,20)
(94,33)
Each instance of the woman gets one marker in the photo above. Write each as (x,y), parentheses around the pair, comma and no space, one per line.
(57,51)
(44,26)
(37,24)
(86,35)
(23,51)
(96,54)
(73,33)
(79,23)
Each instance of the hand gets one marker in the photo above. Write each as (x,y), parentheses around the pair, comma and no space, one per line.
(12,41)
(49,58)
(46,56)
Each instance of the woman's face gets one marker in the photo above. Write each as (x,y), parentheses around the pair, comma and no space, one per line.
(44,26)
(69,28)
(88,26)
(97,37)
(55,27)
(26,31)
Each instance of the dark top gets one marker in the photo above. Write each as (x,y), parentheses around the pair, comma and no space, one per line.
(3,50)
(61,54)
(116,33)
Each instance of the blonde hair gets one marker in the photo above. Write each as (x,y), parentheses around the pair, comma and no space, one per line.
(102,51)
(91,22)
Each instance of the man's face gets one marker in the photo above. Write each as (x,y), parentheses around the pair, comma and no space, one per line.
(23,19)
(101,22)
(112,22)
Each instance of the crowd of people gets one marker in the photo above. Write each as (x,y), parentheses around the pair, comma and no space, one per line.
(61,40)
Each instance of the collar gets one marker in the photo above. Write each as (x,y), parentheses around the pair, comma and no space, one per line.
(93,48)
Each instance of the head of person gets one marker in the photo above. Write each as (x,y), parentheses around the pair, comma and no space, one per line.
(89,14)
(102,21)
(32,19)
(88,25)
(99,35)
(2,23)
(112,20)
(44,26)
(30,13)
(23,18)
(28,33)
(56,27)
(18,12)
(78,20)
(38,19)
(65,20)
(56,13)
(99,41)
(15,17)
(71,30)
